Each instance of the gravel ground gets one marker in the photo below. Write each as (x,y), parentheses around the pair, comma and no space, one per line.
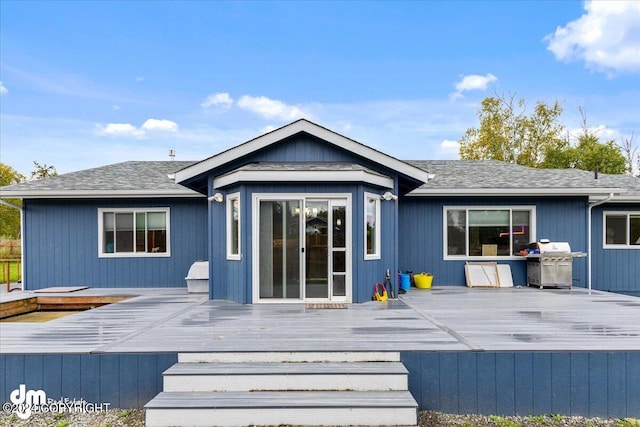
(135,418)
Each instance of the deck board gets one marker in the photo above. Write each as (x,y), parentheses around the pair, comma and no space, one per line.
(440,319)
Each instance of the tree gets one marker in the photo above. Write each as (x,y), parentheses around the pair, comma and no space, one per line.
(588,154)
(631,156)
(43,171)
(509,134)
(10,217)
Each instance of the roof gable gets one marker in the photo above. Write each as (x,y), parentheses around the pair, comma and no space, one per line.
(196,170)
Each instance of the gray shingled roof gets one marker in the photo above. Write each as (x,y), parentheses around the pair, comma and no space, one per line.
(150,178)
(496,175)
(127,178)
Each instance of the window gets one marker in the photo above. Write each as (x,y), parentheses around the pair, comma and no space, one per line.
(622,230)
(490,232)
(233,226)
(371,226)
(133,232)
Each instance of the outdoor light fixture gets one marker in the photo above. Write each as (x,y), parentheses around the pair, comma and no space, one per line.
(218,197)
(389,196)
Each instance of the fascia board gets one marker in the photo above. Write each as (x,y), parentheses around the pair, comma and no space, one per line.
(97,194)
(513,192)
(302,176)
(290,130)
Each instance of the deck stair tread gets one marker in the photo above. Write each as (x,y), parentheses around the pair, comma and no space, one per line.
(241,389)
(284,399)
(358,368)
(289,357)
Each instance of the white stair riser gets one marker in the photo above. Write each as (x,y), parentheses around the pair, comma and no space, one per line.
(277,416)
(279,357)
(373,382)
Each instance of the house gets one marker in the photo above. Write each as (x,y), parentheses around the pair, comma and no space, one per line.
(303,213)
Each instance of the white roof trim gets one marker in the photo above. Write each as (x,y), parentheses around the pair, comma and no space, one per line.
(512,191)
(289,130)
(97,194)
(302,176)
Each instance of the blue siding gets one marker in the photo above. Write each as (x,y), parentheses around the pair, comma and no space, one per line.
(615,270)
(231,279)
(591,384)
(421,234)
(61,245)
(123,380)
(597,384)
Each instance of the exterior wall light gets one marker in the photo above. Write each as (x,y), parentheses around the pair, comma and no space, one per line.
(389,196)
(218,197)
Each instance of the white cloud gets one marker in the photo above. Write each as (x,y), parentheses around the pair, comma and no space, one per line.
(3,89)
(605,37)
(270,108)
(162,125)
(472,82)
(223,100)
(116,107)
(129,130)
(449,146)
(120,129)
(139,79)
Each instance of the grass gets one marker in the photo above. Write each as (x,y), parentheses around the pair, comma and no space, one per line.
(14,271)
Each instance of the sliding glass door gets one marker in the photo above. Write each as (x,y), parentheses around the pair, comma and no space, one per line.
(302,249)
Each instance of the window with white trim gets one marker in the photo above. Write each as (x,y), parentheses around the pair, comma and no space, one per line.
(371,226)
(622,230)
(233,226)
(133,232)
(487,232)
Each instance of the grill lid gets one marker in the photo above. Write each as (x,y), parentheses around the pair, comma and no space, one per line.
(546,246)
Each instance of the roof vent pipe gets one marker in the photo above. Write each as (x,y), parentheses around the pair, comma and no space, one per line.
(595,173)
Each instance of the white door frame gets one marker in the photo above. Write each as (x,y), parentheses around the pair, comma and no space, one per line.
(255,235)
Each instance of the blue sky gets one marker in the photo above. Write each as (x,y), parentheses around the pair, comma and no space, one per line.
(85,84)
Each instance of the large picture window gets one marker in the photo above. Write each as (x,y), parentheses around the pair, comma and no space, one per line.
(622,230)
(133,232)
(233,226)
(487,232)
(371,226)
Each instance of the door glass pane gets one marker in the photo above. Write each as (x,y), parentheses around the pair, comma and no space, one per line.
(339,226)
(279,249)
(339,261)
(339,285)
(317,249)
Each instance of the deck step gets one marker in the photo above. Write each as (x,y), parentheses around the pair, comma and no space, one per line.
(284,388)
(285,376)
(358,408)
(287,357)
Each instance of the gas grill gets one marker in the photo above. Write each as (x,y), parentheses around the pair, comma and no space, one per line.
(550,264)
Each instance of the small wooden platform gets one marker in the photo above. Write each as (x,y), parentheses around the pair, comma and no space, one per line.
(60,289)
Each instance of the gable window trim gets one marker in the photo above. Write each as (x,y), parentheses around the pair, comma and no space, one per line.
(631,219)
(371,234)
(102,253)
(466,257)
(234,231)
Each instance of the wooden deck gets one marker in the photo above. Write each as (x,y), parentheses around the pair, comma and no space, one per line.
(440,319)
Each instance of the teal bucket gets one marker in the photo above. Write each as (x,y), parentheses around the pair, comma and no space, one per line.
(405,281)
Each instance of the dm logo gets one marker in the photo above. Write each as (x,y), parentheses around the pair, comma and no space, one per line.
(25,400)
